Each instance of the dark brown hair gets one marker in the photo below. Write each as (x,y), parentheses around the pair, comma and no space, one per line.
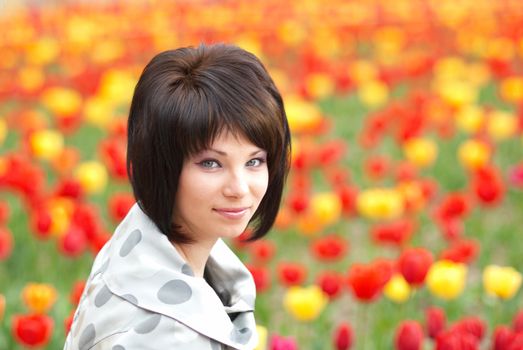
(183,100)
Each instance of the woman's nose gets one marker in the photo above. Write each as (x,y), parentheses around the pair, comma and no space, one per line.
(236,185)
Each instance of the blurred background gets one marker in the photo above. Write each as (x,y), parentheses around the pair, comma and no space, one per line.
(401,225)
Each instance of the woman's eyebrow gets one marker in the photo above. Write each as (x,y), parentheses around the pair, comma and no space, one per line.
(225,153)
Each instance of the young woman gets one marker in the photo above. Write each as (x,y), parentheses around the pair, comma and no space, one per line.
(208,153)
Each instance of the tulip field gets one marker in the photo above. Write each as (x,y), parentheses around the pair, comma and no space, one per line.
(401,225)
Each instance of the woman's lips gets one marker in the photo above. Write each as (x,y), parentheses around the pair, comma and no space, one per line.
(232,213)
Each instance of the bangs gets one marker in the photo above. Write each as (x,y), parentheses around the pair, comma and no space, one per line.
(205,114)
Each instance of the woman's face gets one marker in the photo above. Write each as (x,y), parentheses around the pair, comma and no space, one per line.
(220,189)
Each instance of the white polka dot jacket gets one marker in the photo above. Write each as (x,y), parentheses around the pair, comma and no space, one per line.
(141,294)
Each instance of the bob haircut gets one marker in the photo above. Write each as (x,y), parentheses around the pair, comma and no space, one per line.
(183,100)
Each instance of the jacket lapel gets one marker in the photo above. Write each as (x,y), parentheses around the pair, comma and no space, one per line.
(143,267)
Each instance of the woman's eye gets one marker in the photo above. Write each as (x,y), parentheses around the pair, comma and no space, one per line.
(256,162)
(209,164)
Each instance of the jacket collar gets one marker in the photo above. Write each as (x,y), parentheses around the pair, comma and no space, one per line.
(140,265)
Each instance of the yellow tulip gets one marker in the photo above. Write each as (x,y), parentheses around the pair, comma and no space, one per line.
(412,193)
(511,89)
(446,279)
(363,71)
(319,85)
(43,51)
(31,78)
(60,210)
(380,203)
(46,144)
(502,125)
(39,297)
(501,281)
(98,111)
(262,338)
(420,151)
(92,176)
(305,304)
(326,207)
(457,92)
(373,94)
(470,118)
(473,154)
(3,131)
(302,115)
(397,289)
(62,101)
(117,86)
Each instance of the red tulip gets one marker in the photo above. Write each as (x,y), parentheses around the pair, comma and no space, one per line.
(347,195)
(76,292)
(119,205)
(395,232)
(330,282)
(261,277)
(376,167)
(329,248)
(32,330)
(452,340)
(73,242)
(516,173)
(41,222)
(517,342)
(454,205)
(282,343)
(502,338)
(97,242)
(113,152)
(463,251)
(487,185)
(291,274)
(69,188)
(517,322)
(343,336)
(298,202)
(414,263)
(262,251)
(6,243)
(330,152)
(435,321)
(367,281)
(472,325)
(85,217)
(409,336)
(68,322)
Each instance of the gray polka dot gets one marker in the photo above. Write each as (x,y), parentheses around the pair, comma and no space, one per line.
(186,269)
(134,238)
(87,338)
(242,335)
(130,298)
(118,347)
(148,325)
(102,268)
(174,292)
(215,345)
(102,297)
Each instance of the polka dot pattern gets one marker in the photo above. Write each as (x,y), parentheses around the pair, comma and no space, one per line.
(132,241)
(86,340)
(241,336)
(118,347)
(103,268)
(148,325)
(186,270)
(130,298)
(174,292)
(102,297)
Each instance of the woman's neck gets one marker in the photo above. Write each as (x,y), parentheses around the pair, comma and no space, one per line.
(195,255)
